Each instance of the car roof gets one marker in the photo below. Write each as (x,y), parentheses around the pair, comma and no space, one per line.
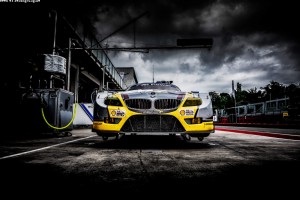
(158,83)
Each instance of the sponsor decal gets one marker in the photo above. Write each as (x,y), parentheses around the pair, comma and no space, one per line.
(117,113)
(182,112)
(186,112)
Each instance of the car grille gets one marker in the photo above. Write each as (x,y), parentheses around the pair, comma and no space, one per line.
(138,103)
(158,104)
(166,103)
(152,123)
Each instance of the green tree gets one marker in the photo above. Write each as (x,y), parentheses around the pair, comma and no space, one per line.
(240,95)
(273,90)
(222,100)
(254,95)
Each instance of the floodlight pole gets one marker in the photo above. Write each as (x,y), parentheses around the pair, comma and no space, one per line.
(69,65)
(54,32)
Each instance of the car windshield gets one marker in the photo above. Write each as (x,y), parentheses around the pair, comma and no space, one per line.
(154,86)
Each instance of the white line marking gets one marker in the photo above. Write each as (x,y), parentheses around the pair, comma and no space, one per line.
(40,149)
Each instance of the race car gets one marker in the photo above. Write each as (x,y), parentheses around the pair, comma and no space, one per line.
(153,108)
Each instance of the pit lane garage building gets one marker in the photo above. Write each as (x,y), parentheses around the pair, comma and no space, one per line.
(47,66)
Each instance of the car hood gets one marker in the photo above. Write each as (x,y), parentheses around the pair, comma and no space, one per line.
(153,94)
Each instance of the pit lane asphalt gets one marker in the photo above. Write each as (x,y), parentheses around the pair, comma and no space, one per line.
(224,164)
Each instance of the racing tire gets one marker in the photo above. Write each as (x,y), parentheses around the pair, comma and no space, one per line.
(105,138)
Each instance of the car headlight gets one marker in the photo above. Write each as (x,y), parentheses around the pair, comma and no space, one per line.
(112,101)
(192,101)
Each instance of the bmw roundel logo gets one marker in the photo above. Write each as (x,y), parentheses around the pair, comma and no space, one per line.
(152,94)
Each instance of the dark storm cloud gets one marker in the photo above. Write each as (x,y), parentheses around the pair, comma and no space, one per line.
(167,20)
(254,41)
(191,18)
(185,68)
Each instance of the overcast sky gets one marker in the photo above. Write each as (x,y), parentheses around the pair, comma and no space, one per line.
(254,41)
